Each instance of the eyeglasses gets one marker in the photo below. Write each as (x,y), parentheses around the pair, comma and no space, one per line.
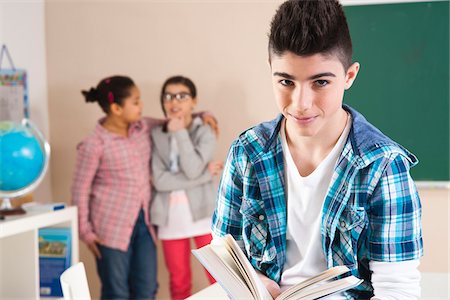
(180,97)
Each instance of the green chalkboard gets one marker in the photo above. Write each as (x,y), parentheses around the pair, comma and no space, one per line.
(403,84)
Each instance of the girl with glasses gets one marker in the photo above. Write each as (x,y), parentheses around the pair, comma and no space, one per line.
(183,170)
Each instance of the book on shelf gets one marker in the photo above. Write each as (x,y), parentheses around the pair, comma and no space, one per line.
(227,263)
(54,259)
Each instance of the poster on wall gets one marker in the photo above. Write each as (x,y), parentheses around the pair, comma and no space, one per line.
(13,91)
(13,95)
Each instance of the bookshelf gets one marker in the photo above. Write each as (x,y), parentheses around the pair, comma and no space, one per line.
(19,252)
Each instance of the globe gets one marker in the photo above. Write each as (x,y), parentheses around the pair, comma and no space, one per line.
(24,157)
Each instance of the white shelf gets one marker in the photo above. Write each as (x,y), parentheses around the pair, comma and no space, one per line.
(19,250)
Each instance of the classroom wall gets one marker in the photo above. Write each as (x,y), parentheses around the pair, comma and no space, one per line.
(220,45)
(22,29)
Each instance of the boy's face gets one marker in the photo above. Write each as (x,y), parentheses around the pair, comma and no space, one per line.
(309,91)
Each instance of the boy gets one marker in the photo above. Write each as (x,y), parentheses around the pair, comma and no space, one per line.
(319,186)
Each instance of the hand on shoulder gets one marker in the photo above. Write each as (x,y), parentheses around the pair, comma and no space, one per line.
(209,119)
(215,167)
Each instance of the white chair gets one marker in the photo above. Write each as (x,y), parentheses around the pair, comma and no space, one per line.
(74,283)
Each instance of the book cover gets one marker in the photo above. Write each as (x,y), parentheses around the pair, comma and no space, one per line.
(228,264)
(54,259)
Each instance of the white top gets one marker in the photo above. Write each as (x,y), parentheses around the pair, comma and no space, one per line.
(305,197)
(180,223)
(396,280)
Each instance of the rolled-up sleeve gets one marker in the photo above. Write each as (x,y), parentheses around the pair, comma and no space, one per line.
(395,215)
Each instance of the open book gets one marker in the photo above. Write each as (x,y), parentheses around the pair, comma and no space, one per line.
(230,267)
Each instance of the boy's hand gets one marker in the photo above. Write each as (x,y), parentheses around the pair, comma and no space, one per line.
(209,119)
(175,124)
(273,287)
(215,167)
(93,246)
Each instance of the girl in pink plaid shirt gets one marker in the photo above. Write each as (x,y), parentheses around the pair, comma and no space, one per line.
(111,188)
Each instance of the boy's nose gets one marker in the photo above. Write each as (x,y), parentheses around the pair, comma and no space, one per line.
(302,99)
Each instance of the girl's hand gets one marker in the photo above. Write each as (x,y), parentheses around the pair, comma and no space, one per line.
(209,120)
(215,167)
(93,246)
(273,287)
(176,124)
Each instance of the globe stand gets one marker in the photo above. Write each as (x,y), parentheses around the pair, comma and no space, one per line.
(7,210)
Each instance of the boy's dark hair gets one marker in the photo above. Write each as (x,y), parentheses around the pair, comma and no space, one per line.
(114,89)
(178,80)
(308,27)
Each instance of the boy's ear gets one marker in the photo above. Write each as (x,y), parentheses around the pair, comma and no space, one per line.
(351,75)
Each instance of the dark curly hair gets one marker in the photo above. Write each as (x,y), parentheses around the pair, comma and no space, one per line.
(114,89)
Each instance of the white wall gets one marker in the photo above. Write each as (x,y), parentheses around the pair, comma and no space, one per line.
(22,30)
(371,2)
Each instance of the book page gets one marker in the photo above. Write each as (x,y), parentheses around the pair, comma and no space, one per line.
(324,289)
(229,261)
(258,288)
(323,276)
(223,271)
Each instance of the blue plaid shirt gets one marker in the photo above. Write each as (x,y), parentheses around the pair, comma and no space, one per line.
(372,210)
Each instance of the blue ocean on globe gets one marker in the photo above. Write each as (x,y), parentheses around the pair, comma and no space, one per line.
(22,157)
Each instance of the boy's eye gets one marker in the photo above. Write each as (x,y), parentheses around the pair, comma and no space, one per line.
(286,82)
(321,82)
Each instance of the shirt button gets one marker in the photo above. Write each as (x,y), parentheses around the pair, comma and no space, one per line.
(343,225)
(261,217)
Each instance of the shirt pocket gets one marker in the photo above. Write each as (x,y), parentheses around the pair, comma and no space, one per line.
(256,231)
(352,219)
(351,225)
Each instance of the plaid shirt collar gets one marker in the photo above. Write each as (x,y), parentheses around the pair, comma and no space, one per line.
(134,128)
(365,139)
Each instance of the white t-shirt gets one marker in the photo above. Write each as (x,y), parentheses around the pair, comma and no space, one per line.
(305,198)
